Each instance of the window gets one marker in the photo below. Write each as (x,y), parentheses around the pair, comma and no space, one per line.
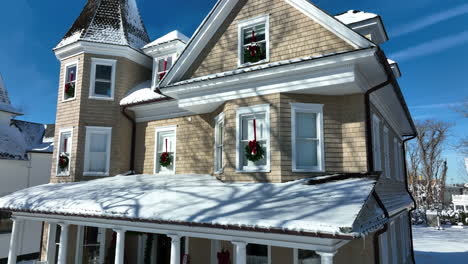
(302,256)
(163,65)
(97,151)
(64,153)
(219,143)
(376,143)
(254,41)
(458,207)
(6,224)
(69,87)
(165,142)
(307,137)
(258,254)
(246,117)
(386,153)
(102,79)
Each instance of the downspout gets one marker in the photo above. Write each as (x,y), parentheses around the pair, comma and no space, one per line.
(407,189)
(133,143)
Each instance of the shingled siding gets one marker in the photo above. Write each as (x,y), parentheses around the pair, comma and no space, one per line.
(83,111)
(292,35)
(344,138)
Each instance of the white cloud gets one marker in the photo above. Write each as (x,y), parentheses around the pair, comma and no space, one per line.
(430,106)
(430,20)
(431,47)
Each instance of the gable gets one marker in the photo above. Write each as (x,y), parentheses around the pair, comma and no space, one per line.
(292,35)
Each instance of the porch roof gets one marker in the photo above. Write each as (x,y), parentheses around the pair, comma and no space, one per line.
(327,208)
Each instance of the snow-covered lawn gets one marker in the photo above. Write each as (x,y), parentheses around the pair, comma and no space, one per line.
(433,246)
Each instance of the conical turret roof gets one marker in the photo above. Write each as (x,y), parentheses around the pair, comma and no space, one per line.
(115,22)
(5,103)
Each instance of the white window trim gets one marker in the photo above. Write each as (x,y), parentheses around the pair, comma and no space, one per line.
(218,119)
(376,139)
(386,138)
(308,108)
(64,130)
(248,23)
(156,158)
(68,65)
(102,130)
(252,110)
(105,62)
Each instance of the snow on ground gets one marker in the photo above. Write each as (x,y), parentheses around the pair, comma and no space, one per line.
(433,246)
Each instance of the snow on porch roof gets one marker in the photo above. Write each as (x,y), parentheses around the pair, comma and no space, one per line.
(327,208)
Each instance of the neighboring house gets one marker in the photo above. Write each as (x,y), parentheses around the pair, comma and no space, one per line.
(274,135)
(450,190)
(460,200)
(25,161)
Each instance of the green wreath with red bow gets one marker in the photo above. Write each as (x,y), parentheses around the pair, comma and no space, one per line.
(254,150)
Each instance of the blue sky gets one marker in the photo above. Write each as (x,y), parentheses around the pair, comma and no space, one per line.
(428,38)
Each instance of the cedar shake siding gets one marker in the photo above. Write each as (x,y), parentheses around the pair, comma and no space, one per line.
(83,111)
(344,135)
(292,35)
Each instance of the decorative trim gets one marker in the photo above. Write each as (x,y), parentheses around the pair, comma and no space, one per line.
(156,158)
(86,47)
(98,130)
(308,108)
(106,62)
(252,110)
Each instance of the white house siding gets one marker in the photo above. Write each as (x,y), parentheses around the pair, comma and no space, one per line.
(16,175)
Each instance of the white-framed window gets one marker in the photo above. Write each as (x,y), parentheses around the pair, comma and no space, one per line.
(162,65)
(254,41)
(376,139)
(69,85)
(386,139)
(102,79)
(383,244)
(245,132)
(97,151)
(307,137)
(219,144)
(64,153)
(302,256)
(165,142)
(258,254)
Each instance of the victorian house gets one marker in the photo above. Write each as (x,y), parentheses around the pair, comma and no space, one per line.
(275,134)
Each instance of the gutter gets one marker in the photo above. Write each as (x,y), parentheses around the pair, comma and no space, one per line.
(133,142)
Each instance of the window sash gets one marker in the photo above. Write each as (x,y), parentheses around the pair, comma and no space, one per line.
(160,147)
(95,80)
(219,144)
(261,138)
(97,161)
(261,25)
(64,134)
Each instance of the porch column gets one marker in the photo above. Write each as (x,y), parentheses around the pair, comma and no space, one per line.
(175,249)
(51,244)
(326,257)
(14,240)
(63,248)
(241,252)
(79,245)
(120,246)
(102,245)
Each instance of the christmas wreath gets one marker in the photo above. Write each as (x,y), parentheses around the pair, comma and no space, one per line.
(165,159)
(254,151)
(70,89)
(63,161)
(254,53)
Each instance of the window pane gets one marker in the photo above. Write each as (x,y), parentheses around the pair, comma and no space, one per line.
(98,143)
(97,162)
(308,257)
(98,152)
(248,128)
(71,74)
(246,162)
(162,137)
(257,254)
(169,62)
(102,88)
(306,153)
(306,125)
(65,142)
(259,33)
(103,72)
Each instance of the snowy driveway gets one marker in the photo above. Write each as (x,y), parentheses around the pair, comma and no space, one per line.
(446,246)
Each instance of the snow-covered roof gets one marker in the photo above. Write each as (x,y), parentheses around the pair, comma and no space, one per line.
(12,143)
(108,21)
(330,207)
(5,103)
(34,135)
(354,16)
(141,93)
(174,35)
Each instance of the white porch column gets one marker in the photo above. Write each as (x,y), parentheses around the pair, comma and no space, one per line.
(120,247)
(51,244)
(79,245)
(63,248)
(14,240)
(175,249)
(241,252)
(102,245)
(326,257)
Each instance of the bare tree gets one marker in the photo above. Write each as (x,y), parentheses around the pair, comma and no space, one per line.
(463,145)
(426,167)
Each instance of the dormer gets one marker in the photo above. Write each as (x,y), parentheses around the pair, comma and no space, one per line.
(7,111)
(367,24)
(165,51)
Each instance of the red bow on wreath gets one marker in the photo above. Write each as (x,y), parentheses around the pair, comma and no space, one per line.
(253,45)
(253,143)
